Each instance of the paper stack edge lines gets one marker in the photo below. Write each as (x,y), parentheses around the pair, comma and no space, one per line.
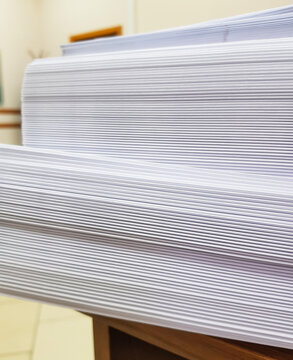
(220,106)
(141,242)
(156,181)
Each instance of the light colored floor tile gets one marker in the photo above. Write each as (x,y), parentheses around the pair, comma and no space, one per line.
(21,356)
(18,323)
(67,339)
(49,312)
(6,299)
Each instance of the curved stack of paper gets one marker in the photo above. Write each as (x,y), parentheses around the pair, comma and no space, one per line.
(164,192)
(201,250)
(223,106)
(274,23)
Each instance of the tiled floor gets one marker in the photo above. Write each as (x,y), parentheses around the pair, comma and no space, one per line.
(31,331)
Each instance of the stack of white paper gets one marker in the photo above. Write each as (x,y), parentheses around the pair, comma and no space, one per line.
(201,250)
(223,106)
(274,23)
(164,193)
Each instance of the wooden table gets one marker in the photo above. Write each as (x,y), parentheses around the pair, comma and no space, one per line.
(126,340)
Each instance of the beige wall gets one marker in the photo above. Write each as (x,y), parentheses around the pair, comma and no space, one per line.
(10,136)
(62,18)
(19,24)
(19,32)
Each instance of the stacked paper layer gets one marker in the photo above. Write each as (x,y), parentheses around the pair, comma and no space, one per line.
(201,250)
(275,23)
(223,106)
(164,194)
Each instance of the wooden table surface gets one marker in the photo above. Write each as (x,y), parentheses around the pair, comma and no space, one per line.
(126,340)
